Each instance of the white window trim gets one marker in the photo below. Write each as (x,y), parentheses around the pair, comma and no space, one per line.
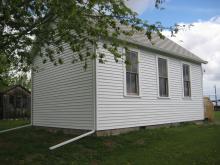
(139,74)
(190,79)
(157,78)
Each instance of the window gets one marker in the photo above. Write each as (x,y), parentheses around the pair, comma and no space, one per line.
(132,77)
(163,77)
(186,80)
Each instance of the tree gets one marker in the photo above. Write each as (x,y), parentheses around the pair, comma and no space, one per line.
(9,76)
(27,27)
(22,80)
(5,73)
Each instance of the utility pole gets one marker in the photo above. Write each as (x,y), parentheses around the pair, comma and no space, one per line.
(216,100)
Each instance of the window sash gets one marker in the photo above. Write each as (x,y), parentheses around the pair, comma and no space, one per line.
(132,81)
(132,75)
(162,64)
(186,80)
(187,89)
(186,72)
(163,77)
(163,89)
(132,58)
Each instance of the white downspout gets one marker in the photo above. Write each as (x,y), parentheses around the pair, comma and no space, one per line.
(7,130)
(72,140)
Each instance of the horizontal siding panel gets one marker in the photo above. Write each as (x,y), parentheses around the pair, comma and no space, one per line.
(68,92)
(63,105)
(63,113)
(58,99)
(119,125)
(131,119)
(79,79)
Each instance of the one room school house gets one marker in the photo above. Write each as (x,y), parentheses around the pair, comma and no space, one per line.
(163,84)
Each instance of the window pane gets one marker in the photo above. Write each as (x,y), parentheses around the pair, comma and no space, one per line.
(128,81)
(163,83)
(133,83)
(186,72)
(128,58)
(134,61)
(187,91)
(132,58)
(162,64)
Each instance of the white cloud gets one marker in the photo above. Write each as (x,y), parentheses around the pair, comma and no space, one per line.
(203,39)
(140,6)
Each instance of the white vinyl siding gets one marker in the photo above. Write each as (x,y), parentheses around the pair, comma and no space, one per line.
(63,94)
(116,111)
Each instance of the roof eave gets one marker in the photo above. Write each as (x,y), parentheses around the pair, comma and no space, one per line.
(165,52)
(175,55)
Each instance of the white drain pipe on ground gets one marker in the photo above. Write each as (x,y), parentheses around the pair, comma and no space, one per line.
(7,130)
(72,140)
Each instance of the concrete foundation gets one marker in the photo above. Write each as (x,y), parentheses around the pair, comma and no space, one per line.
(116,131)
(64,130)
(126,130)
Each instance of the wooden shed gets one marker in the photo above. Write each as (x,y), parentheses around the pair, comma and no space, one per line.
(15,102)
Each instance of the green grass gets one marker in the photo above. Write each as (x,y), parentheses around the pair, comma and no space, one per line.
(6,124)
(217,116)
(186,144)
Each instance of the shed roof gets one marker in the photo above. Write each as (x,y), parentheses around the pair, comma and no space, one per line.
(13,87)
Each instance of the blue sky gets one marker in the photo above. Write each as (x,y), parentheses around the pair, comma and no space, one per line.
(186,11)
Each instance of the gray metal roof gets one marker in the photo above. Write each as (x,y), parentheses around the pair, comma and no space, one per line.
(165,46)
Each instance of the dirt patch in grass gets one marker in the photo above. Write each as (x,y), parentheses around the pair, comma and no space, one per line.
(7,145)
(95,162)
(33,157)
(140,142)
(110,144)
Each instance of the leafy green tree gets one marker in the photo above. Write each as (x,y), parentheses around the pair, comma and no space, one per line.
(27,27)
(5,73)
(22,80)
(9,76)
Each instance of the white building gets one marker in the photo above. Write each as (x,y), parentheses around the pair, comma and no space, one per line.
(162,85)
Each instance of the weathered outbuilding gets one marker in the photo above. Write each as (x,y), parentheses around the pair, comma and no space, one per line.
(15,102)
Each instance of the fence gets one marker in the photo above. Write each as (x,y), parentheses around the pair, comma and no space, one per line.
(209,109)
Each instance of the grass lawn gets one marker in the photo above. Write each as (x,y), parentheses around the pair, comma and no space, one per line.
(6,124)
(186,144)
(217,116)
